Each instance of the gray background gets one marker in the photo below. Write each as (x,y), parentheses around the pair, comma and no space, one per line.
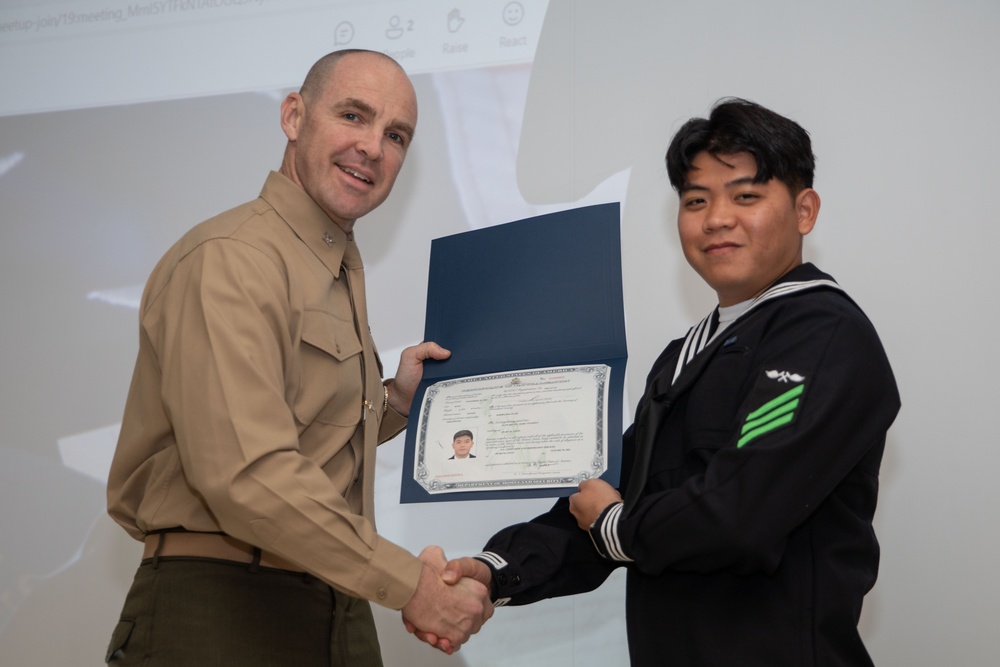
(900,98)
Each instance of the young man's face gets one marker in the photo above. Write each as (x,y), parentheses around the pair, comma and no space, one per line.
(462,445)
(741,236)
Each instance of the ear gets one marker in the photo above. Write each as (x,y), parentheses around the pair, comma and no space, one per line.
(292,113)
(807,209)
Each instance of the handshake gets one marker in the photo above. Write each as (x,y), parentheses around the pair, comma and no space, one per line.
(452,600)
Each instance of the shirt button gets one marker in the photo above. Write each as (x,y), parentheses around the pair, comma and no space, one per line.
(502,578)
(381,594)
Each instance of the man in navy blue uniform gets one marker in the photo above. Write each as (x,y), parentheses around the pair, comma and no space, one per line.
(744,515)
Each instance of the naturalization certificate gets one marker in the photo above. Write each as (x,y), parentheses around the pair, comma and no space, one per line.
(538,428)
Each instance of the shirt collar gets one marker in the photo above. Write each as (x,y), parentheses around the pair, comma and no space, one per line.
(307,220)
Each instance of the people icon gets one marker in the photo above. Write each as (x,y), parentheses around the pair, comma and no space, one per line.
(395,30)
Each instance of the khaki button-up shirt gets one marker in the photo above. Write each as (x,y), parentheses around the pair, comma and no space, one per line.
(244,412)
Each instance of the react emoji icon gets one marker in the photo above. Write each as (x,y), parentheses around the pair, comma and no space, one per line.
(513,13)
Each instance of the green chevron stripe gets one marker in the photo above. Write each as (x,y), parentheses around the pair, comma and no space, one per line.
(774,414)
(766,428)
(795,392)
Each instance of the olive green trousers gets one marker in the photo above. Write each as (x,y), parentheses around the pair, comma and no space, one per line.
(200,612)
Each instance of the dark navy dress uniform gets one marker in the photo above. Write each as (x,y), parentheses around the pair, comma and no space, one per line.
(750,539)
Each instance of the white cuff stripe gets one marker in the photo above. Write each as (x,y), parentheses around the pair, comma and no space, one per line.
(609,533)
(492,559)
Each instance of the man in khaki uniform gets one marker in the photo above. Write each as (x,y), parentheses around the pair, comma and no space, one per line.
(246,457)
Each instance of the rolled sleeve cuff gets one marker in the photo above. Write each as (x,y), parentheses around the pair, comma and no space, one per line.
(391,577)
(604,534)
(392,423)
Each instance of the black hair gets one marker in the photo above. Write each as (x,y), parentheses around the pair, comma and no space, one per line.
(458,435)
(780,146)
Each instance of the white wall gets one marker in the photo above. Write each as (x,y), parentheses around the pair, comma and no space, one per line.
(899,96)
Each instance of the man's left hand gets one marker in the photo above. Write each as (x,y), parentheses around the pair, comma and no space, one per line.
(592,499)
(411,369)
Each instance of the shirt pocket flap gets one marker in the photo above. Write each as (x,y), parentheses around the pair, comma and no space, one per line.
(329,333)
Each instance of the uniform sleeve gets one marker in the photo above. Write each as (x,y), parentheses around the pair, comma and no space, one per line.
(814,407)
(392,424)
(550,556)
(224,352)
(547,557)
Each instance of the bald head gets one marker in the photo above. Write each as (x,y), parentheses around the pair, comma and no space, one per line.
(322,71)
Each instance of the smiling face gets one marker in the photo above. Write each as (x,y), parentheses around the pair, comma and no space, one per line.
(462,446)
(347,140)
(513,13)
(741,236)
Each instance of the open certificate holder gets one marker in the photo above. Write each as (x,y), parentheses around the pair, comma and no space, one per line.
(530,402)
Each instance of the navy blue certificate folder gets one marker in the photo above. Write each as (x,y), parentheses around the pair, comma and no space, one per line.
(544,292)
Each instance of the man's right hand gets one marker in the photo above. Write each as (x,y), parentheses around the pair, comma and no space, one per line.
(472,568)
(446,613)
